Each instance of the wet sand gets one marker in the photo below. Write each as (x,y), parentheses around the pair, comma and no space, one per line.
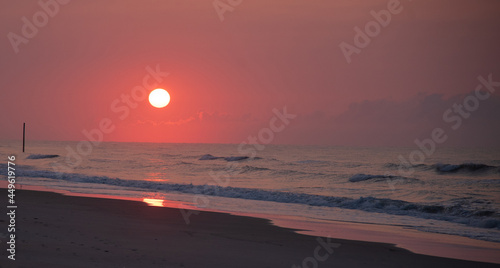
(54,230)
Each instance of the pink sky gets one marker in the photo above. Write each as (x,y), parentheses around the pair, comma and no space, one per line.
(225,77)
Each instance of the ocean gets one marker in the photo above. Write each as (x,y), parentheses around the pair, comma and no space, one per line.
(454,191)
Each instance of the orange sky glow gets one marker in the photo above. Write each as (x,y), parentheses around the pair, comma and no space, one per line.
(226,77)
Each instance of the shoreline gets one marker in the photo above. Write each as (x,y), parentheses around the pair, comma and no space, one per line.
(73,226)
(420,242)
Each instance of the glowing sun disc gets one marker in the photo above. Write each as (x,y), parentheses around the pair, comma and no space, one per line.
(159,98)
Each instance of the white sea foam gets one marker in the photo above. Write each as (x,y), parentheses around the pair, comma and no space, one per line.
(456,213)
(354,180)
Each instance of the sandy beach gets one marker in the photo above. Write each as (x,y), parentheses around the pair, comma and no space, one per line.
(54,230)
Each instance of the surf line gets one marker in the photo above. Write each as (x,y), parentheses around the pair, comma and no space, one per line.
(456,115)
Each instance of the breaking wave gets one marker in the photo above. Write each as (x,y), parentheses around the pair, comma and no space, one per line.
(455,213)
(312,162)
(466,168)
(247,168)
(365,177)
(229,158)
(209,157)
(42,156)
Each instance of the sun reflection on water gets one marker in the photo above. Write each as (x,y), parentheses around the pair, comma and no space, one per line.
(154,202)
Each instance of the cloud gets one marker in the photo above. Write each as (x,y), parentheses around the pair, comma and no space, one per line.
(166,123)
(201,117)
(387,122)
(223,117)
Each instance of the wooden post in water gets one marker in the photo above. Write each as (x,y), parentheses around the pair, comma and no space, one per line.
(24,134)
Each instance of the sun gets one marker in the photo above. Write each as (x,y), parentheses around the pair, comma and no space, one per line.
(159,98)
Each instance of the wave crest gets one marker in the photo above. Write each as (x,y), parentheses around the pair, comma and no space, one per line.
(470,168)
(455,213)
(365,177)
(42,156)
(465,167)
(229,158)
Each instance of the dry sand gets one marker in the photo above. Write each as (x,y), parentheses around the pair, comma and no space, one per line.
(54,230)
